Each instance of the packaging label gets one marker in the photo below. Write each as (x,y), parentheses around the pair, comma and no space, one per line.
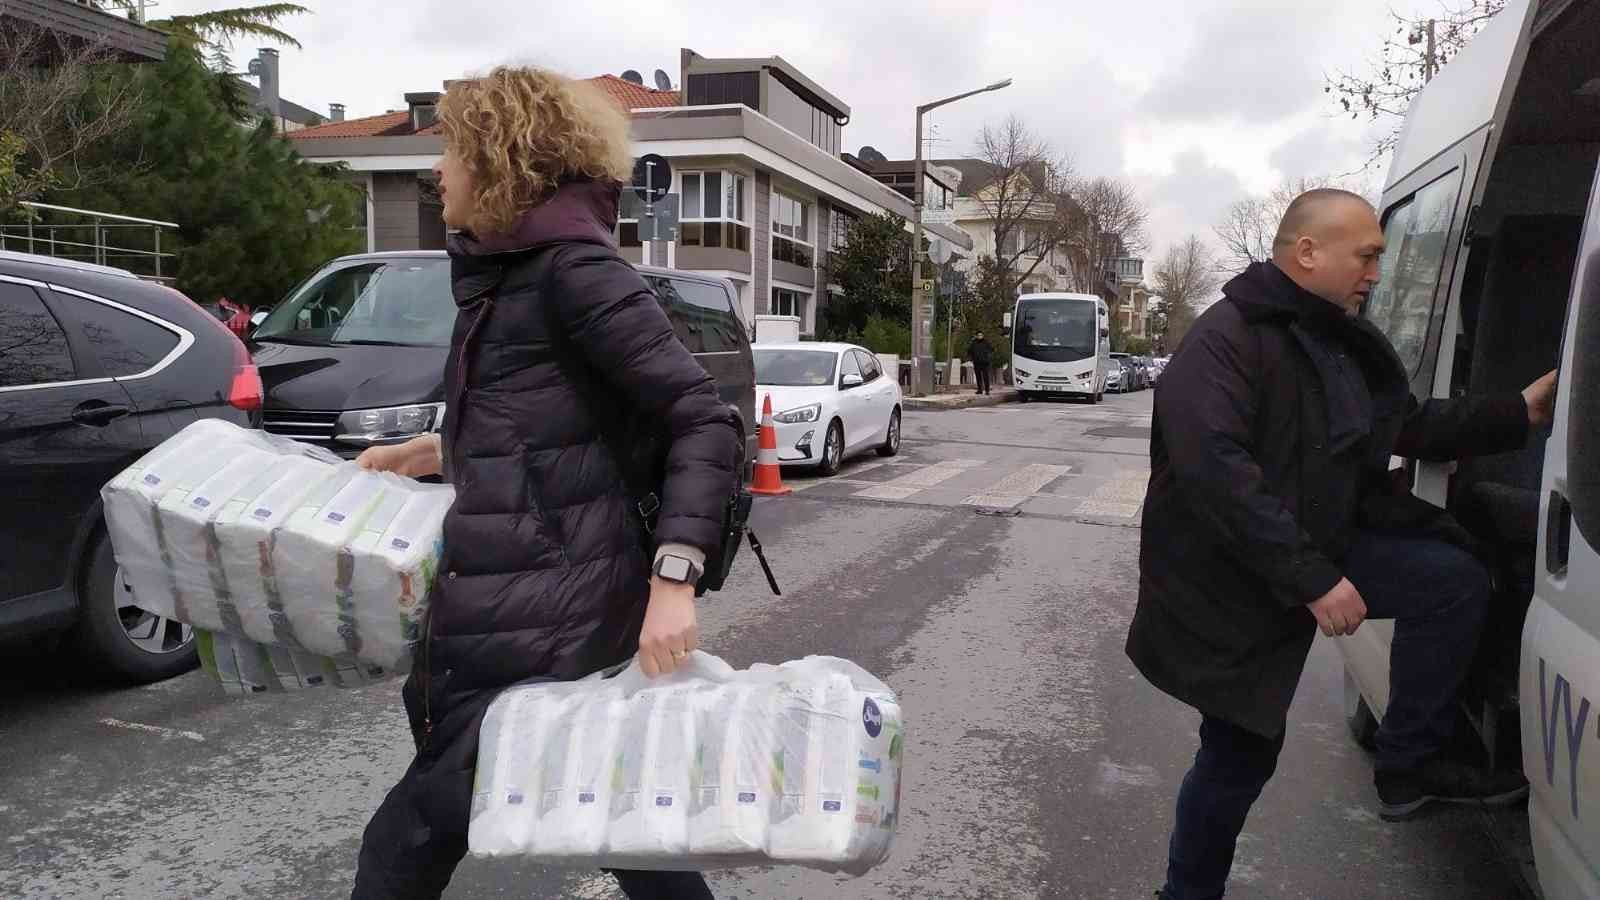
(747,797)
(585,798)
(663,801)
(872,718)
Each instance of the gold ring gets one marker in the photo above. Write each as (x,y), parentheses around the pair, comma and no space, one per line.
(679,654)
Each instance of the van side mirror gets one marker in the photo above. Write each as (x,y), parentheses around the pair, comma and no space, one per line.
(1005,324)
(1105,332)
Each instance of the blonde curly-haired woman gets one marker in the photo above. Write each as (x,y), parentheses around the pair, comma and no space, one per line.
(558,348)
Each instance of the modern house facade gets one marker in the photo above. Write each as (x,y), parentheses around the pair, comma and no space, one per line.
(764,194)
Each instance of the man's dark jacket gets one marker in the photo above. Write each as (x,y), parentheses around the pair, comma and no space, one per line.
(1266,459)
(980,351)
(543,574)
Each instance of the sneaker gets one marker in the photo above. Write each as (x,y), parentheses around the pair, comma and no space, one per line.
(1402,795)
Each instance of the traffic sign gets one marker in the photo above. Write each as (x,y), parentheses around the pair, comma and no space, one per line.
(652,177)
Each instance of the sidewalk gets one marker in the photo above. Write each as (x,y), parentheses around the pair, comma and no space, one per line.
(964,399)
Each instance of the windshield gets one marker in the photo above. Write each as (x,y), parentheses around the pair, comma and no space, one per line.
(1058,330)
(404,302)
(795,368)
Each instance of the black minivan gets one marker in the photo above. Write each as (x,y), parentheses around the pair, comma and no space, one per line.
(355,355)
(97,367)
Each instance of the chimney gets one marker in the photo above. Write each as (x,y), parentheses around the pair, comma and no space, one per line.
(424,108)
(265,68)
(336,112)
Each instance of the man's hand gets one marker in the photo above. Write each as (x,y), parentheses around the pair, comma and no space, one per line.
(1339,611)
(1541,399)
(415,458)
(670,632)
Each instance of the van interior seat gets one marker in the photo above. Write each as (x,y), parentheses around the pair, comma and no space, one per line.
(1516,340)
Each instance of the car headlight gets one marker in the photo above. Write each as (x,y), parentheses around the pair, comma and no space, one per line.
(1024,374)
(377,426)
(802,414)
(1088,374)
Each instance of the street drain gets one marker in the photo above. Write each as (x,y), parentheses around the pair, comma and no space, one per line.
(1007,512)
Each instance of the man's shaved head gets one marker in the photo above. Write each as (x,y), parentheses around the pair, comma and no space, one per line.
(1329,243)
(1311,212)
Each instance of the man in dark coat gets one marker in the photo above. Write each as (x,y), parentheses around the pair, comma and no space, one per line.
(982,355)
(1269,514)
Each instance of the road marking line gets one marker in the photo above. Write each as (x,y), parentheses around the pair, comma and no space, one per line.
(155,729)
(1121,496)
(919,479)
(1017,487)
(1105,508)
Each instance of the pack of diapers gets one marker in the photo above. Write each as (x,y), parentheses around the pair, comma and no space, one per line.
(709,767)
(297,569)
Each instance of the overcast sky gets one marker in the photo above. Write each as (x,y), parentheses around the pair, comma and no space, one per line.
(1196,104)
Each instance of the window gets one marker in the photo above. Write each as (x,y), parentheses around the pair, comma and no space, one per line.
(33,348)
(791,231)
(1008,244)
(714,208)
(870,370)
(789,303)
(839,230)
(406,302)
(849,365)
(701,314)
(125,344)
(1416,233)
(794,368)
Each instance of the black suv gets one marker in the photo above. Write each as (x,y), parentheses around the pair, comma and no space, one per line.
(355,356)
(96,368)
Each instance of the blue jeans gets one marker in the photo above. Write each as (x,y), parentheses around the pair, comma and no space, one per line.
(1438,596)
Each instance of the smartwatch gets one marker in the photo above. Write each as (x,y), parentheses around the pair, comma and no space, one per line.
(677,569)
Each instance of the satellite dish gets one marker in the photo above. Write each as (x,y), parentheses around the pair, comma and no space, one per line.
(871,155)
(663,81)
(633,77)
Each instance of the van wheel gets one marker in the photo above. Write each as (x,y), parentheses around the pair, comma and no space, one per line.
(1358,716)
(121,639)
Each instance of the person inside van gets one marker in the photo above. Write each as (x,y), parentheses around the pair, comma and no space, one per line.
(1269,515)
(543,574)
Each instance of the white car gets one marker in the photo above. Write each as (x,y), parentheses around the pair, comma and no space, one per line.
(829,401)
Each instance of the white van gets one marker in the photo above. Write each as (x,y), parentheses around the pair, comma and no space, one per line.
(1060,344)
(1492,278)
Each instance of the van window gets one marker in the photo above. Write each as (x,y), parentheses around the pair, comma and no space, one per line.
(400,302)
(702,314)
(1416,233)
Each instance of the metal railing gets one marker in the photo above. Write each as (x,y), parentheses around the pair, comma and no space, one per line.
(107,239)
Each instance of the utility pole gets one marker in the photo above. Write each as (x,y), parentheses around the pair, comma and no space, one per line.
(921,304)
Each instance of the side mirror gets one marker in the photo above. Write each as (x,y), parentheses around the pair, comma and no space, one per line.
(259,316)
(851,380)
(1005,324)
(1105,332)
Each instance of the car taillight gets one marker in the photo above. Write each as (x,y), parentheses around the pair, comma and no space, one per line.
(245,391)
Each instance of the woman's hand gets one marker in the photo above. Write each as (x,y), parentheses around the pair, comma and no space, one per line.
(416,458)
(670,633)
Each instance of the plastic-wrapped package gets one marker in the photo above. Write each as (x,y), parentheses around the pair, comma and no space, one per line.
(709,768)
(300,570)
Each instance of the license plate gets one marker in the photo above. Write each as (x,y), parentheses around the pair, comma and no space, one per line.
(1051,387)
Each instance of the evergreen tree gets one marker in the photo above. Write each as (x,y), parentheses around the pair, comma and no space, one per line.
(874,270)
(254,217)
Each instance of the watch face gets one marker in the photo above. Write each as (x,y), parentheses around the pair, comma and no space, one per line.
(674,568)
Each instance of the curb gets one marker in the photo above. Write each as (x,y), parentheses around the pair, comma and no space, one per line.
(968,402)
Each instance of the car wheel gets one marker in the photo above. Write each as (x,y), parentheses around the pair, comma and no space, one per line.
(1358,716)
(121,639)
(832,450)
(891,440)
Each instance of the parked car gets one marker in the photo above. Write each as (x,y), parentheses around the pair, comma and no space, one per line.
(1118,378)
(355,356)
(1134,377)
(829,401)
(96,368)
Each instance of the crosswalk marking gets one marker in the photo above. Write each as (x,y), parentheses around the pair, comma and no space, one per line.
(1121,496)
(1017,487)
(919,479)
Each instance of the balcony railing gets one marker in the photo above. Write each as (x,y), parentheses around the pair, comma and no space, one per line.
(107,239)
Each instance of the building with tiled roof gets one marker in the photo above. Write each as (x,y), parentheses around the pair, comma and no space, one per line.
(763,194)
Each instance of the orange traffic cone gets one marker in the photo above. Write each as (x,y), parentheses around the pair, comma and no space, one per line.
(768,480)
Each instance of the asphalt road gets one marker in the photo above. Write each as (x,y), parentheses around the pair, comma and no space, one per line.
(988,574)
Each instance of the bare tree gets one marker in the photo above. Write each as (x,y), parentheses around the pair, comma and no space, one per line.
(1408,58)
(57,98)
(1021,197)
(1185,279)
(1249,225)
(1102,219)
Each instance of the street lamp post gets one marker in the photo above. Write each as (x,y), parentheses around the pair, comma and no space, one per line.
(921,305)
